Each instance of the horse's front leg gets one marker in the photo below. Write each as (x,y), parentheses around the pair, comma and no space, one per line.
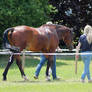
(47,68)
(11,59)
(19,63)
(47,71)
(49,65)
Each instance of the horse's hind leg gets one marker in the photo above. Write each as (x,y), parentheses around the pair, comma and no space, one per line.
(11,59)
(19,63)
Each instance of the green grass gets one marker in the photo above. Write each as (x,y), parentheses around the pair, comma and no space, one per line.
(70,82)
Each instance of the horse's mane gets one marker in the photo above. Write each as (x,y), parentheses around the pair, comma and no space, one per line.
(59,26)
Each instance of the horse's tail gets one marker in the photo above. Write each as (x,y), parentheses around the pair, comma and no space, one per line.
(6,43)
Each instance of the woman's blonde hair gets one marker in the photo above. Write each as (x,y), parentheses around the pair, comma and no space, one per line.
(88,33)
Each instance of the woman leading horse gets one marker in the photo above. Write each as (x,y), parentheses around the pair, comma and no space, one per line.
(44,39)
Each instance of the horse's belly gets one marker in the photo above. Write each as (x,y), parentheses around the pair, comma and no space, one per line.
(33,48)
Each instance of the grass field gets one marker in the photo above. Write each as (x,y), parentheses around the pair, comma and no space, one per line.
(70,82)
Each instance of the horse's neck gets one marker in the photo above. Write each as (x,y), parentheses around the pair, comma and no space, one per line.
(60,34)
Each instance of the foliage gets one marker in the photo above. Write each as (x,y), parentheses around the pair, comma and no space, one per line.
(23,12)
(73,13)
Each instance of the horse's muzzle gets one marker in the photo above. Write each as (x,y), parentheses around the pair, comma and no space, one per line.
(71,47)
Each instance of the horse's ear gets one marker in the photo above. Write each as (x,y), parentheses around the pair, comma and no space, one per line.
(72,29)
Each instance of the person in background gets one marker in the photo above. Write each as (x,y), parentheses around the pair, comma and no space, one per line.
(42,62)
(85,45)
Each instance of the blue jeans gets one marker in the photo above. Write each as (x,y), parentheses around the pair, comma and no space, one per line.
(86,60)
(42,62)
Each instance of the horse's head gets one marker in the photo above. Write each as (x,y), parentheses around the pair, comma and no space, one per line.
(66,34)
(68,39)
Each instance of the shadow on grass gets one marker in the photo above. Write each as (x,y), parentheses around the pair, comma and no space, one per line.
(38,81)
(44,81)
(67,57)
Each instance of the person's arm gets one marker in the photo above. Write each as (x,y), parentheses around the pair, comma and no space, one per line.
(58,49)
(77,51)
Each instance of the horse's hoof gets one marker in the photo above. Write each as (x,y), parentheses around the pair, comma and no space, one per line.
(35,77)
(57,78)
(25,78)
(4,78)
(48,78)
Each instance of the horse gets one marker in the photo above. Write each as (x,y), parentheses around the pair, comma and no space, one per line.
(44,39)
(64,34)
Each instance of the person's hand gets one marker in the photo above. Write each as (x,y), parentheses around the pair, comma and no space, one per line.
(76,57)
(58,49)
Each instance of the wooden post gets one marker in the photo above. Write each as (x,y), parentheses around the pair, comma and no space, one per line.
(23,60)
(76,60)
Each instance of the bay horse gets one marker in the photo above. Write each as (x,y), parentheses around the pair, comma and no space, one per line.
(44,39)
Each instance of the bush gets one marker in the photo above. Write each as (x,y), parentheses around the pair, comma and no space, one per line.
(23,12)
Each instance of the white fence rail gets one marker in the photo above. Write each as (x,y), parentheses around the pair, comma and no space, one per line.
(58,52)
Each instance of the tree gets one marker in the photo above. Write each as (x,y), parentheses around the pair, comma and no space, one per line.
(23,12)
(73,13)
